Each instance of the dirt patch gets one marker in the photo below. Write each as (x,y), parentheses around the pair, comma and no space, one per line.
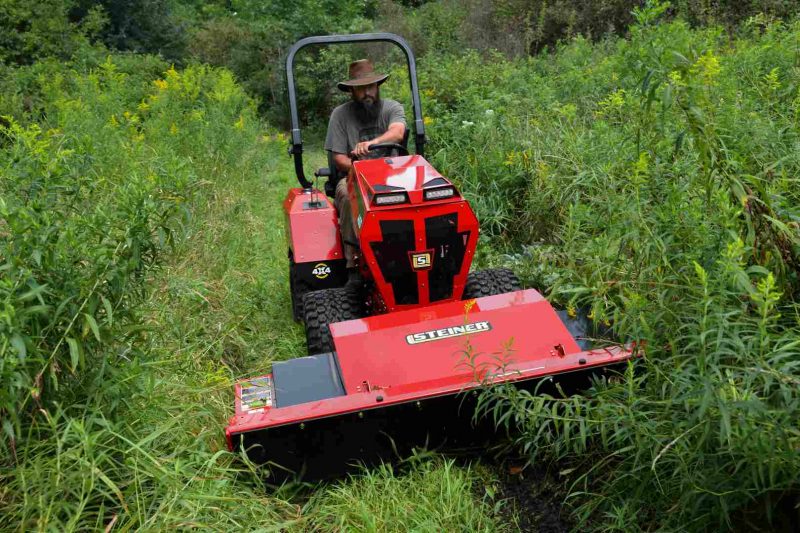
(534,496)
(529,498)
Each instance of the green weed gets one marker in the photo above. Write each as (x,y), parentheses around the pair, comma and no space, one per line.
(652,179)
(433,496)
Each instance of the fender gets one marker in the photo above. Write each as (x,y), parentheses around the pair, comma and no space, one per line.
(312,227)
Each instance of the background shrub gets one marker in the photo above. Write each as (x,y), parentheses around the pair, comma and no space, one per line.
(651,180)
(92,193)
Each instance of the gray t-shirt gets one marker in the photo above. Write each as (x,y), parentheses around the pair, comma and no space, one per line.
(345,130)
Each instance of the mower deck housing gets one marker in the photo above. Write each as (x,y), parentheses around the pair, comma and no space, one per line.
(404,358)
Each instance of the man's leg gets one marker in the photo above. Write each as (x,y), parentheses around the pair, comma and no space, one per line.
(342,203)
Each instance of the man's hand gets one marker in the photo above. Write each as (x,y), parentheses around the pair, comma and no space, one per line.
(362,148)
(394,134)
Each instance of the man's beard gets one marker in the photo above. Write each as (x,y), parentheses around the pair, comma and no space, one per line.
(367,112)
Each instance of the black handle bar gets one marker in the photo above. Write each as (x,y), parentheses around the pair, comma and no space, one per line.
(296,139)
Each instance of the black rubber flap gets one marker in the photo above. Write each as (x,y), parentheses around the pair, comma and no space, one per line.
(306,379)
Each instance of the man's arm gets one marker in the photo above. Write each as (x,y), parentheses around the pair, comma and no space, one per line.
(394,134)
(336,141)
(342,162)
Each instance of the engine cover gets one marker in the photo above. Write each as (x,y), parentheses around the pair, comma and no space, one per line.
(418,251)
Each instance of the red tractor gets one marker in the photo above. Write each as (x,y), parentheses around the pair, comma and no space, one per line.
(392,362)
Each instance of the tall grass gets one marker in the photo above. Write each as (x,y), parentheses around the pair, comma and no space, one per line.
(92,194)
(653,179)
(433,496)
(108,422)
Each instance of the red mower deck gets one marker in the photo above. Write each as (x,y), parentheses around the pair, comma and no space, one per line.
(411,357)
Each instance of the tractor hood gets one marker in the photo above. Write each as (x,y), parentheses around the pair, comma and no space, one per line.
(412,175)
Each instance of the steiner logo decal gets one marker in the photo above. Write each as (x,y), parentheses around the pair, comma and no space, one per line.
(421,260)
(446,333)
(321,270)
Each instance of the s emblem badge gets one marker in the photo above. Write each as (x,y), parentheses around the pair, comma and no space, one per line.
(422,260)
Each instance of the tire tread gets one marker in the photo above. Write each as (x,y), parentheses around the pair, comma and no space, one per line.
(490,282)
(325,307)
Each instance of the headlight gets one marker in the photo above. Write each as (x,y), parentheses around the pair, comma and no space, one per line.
(390,199)
(439,193)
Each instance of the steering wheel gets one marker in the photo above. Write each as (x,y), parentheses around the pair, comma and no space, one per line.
(389,146)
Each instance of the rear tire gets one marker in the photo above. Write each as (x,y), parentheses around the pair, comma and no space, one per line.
(490,282)
(325,307)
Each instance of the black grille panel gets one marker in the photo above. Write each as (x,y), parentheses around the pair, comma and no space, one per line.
(449,247)
(392,257)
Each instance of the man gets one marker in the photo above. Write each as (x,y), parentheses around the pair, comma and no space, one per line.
(355,126)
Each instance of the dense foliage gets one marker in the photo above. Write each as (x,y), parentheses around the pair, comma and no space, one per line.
(523,27)
(101,169)
(90,197)
(649,178)
(250,37)
(654,180)
(36,30)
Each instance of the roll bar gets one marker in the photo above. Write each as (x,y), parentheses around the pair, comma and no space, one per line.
(296,148)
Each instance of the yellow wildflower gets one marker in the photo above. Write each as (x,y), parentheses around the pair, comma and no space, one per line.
(113,121)
(542,169)
(511,157)
(161,84)
(611,104)
(468,305)
(707,66)
(133,118)
(772,80)
(173,129)
(172,73)
(571,311)
(676,79)
(143,106)
(427,121)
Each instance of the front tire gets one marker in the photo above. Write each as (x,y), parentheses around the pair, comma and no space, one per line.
(325,307)
(490,282)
